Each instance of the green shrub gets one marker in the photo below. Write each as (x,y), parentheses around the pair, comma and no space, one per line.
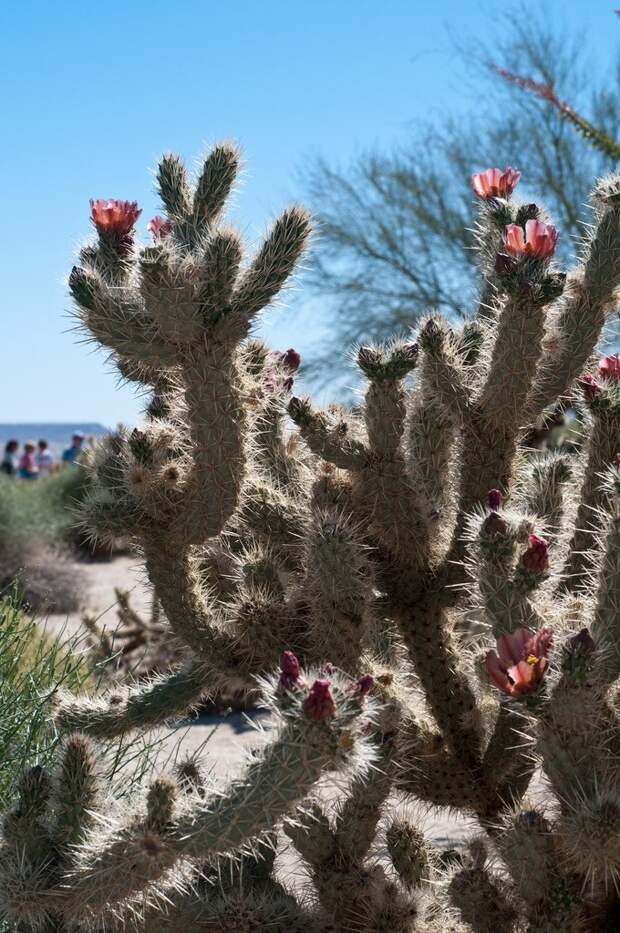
(43,510)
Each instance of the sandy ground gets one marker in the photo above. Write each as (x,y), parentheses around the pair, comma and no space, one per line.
(224,742)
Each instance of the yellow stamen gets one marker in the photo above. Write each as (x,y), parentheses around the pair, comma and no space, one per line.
(532,659)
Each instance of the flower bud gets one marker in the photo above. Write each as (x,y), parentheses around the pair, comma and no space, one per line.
(368,356)
(582,644)
(494,525)
(291,360)
(494,499)
(609,367)
(526,212)
(589,386)
(536,558)
(290,671)
(159,228)
(319,704)
(364,686)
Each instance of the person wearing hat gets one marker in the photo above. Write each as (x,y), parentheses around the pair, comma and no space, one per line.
(71,454)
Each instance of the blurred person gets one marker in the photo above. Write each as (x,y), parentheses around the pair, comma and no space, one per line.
(44,459)
(71,454)
(10,460)
(28,468)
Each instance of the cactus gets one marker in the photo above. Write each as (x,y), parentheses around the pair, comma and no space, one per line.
(441,604)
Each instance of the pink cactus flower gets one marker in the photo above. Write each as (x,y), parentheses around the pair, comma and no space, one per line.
(536,558)
(114,216)
(589,386)
(319,704)
(538,241)
(159,227)
(520,662)
(494,183)
(494,499)
(290,671)
(609,367)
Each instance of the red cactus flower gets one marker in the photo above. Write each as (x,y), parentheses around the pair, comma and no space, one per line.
(538,241)
(494,183)
(159,227)
(609,366)
(114,216)
(494,499)
(319,704)
(536,558)
(521,660)
(290,671)
(589,386)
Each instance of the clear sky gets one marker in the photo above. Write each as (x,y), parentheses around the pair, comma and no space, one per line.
(93,92)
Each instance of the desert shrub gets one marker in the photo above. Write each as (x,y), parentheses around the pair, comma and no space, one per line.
(34,667)
(39,537)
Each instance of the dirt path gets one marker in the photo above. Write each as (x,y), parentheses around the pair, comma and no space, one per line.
(98,580)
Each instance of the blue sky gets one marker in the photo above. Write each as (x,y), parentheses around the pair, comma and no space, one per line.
(94,92)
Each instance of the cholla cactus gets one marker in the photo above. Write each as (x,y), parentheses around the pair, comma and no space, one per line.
(354,554)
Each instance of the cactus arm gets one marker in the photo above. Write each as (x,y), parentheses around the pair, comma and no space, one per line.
(219,267)
(214,184)
(507,765)
(176,577)
(217,422)
(553,898)
(173,186)
(276,455)
(311,834)
(603,446)
(503,590)
(584,308)
(605,628)
(438,778)
(442,369)
(277,518)
(482,899)
(76,794)
(544,488)
(337,589)
(431,433)
(131,857)
(435,657)
(146,704)
(119,323)
(359,814)
(325,438)
(271,267)
(516,352)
